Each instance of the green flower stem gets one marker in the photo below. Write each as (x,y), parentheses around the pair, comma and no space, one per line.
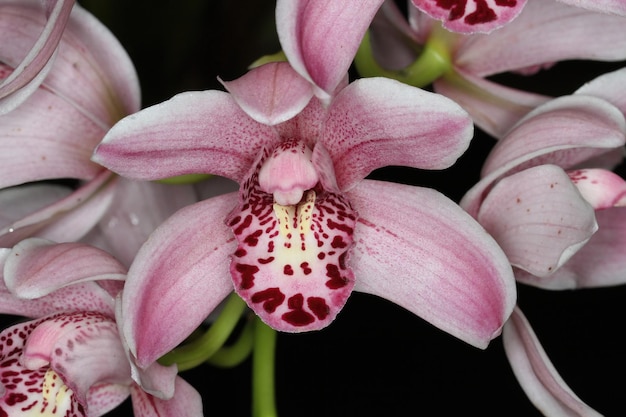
(198,351)
(263,359)
(185,179)
(233,355)
(433,62)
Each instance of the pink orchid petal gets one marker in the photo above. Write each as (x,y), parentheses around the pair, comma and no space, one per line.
(37,267)
(46,138)
(605,6)
(373,122)
(272,93)
(600,263)
(320,38)
(493,107)
(610,87)
(187,255)
(137,209)
(31,69)
(564,131)
(445,268)
(103,398)
(84,348)
(536,374)
(539,218)
(566,33)
(601,188)
(34,389)
(207,129)
(93,72)
(476,16)
(186,402)
(69,219)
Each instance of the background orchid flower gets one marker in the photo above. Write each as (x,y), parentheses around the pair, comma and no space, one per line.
(70,360)
(30,70)
(305,229)
(51,136)
(544,158)
(420,52)
(484,16)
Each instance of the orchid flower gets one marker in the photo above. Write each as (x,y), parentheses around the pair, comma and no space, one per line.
(420,52)
(305,229)
(548,157)
(51,135)
(484,16)
(70,360)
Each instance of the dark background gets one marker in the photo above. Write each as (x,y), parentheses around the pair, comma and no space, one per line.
(375,359)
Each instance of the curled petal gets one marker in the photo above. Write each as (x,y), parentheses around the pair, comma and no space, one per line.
(37,267)
(320,38)
(69,219)
(475,16)
(373,122)
(207,130)
(610,87)
(179,276)
(445,268)
(538,218)
(83,348)
(601,188)
(272,93)
(600,263)
(536,374)
(31,69)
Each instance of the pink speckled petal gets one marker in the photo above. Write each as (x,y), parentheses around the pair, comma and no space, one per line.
(179,276)
(40,389)
(536,374)
(444,268)
(194,132)
(37,267)
(601,188)
(103,397)
(271,93)
(289,265)
(600,263)
(539,218)
(84,348)
(27,28)
(474,16)
(320,38)
(545,32)
(376,122)
(186,402)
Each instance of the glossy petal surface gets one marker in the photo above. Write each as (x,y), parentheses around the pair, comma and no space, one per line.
(408,261)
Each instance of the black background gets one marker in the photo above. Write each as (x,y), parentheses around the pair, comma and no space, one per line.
(376,359)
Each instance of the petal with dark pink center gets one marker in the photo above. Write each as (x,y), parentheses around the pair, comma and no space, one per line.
(601,188)
(290,263)
(472,16)
(418,249)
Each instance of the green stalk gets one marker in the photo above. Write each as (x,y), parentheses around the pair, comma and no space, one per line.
(233,355)
(263,360)
(193,354)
